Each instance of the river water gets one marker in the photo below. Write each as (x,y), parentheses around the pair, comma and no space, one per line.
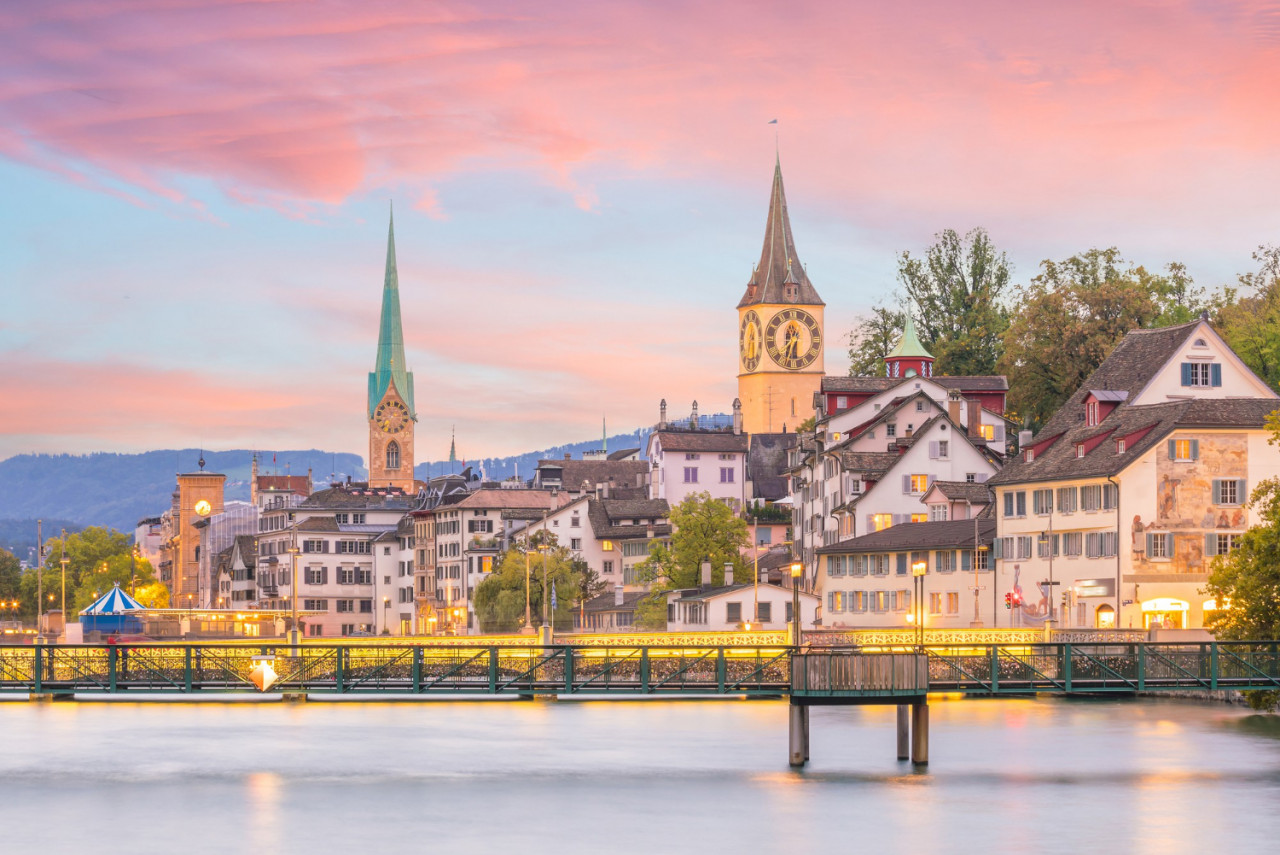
(1150,776)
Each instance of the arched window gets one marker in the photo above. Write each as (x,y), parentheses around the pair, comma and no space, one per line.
(793,406)
(393,455)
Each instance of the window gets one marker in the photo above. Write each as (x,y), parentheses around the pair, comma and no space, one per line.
(1071,544)
(607,568)
(1228,491)
(879,522)
(944,561)
(1100,544)
(575,543)
(393,455)
(346,575)
(1047,544)
(1110,496)
(316,605)
(891,430)
(1015,503)
(987,432)
(733,612)
(1184,449)
(575,521)
(919,406)
(938,513)
(728,456)
(354,547)
(901,600)
(1024,547)
(691,474)
(915,518)
(858,601)
(316,575)
(346,606)
(1066,500)
(935,604)
(1119,446)
(764,612)
(953,603)
(1159,546)
(315,630)
(1091,413)
(692,456)
(879,601)
(1220,544)
(726,474)
(878,565)
(1091,497)
(1079,449)
(342,519)
(364,576)
(984,559)
(1201,374)
(1042,502)
(918,483)
(358,519)
(315,546)
(606,546)
(348,628)
(836,564)
(842,402)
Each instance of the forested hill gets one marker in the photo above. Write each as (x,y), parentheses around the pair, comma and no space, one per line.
(117,490)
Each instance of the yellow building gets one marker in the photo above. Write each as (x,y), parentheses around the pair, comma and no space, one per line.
(780,332)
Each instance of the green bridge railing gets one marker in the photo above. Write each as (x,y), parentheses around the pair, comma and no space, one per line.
(852,674)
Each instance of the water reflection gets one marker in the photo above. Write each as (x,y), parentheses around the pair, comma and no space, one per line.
(1006,776)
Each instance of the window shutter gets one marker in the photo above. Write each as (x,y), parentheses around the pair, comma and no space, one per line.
(999,434)
(997,548)
(933,450)
(966,561)
(981,478)
(1186,374)
(929,479)
(906,483)
(831,601)
(902,563)
(1217,491)
(1215,374)
(1168,545)
(1195,449)
(325,547)
(1173,446)
(871,523)
(1241,495)
(1210,545)
(1150,545)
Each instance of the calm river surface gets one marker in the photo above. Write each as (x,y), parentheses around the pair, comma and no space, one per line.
(1007,776)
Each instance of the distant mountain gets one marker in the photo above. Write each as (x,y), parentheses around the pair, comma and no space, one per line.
(117,490)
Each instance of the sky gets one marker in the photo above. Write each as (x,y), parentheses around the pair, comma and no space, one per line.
(194,195)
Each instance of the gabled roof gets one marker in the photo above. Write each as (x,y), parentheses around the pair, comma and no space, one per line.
(948,534)
(573,473)
(779,264)
(300,484)
(689,440)
(358,497)
(962,382)
(609,603)
(870,463)
(613,519)
(961,491)
(499,498)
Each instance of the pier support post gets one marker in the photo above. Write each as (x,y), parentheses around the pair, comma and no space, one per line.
(799,735)
(920,733)
(904,732)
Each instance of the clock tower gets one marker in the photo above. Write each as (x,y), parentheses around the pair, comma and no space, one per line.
(391,413)
(780,335)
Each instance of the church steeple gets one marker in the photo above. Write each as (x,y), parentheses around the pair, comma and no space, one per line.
(390,365)
(779,278)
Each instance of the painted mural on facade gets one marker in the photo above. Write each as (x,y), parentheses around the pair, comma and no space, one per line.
(1185,503)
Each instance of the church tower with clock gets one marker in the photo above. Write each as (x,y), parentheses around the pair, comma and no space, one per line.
(780,338)
(391,413)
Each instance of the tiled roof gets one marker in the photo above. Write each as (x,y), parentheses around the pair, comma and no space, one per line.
(357,497)
(960,491)
(623,453)
(962,382)
(608,602)
(512,499)
(872,463)
(612,518)
(573,473)
(318,524)
(767,464)
(300,484)
(950,534)
(688,440)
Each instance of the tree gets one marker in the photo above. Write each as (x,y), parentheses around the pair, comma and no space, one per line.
(500,598)
(123,570)
(958,289)
(10,576)
(1073,314)
(1248,318)
(1246,582)
(873,337)
(86,551)
(703,529)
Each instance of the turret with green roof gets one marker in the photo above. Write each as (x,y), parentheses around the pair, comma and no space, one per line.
(908,357)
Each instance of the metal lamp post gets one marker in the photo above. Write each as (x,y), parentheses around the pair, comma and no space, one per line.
(918,569)
(797,571)
(294,636)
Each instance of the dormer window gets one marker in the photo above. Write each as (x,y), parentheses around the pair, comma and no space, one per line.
(1119,446)
(1079,449)
(1091,413)
(1028,455)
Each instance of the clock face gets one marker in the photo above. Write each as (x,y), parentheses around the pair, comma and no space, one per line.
(750,341)
(391,417)
(793,339)
(203,508)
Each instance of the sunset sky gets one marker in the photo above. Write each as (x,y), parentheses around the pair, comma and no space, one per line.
(194,195)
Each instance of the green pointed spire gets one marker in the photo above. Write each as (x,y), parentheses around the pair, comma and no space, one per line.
(390,367)
(453,447)
(604,436)
(909,345)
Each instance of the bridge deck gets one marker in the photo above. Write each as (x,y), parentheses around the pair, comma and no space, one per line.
(819,675)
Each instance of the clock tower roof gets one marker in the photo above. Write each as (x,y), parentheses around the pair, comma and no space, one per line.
(779,278)
(390,366)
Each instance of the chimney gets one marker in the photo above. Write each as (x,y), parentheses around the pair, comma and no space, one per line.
(953,406)
(693,419)
(1024,439)
(605,489)
(617,595)
(737,417)
(706,573)
(975,419)
(728,574)
(568,456)
(662,415)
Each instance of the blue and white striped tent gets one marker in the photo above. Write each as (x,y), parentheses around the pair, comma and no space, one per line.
(112,612)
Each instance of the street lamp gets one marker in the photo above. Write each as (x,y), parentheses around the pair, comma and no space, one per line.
(797,570)
(528,606)
(292,549)
(918,569)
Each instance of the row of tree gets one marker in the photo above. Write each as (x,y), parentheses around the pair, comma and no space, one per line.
(97,558)
(1049,335)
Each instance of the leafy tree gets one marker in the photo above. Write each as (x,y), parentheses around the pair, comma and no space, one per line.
(500,598)
(873,337)
(703,529)
(958,288)
(86,551)
(10,576)
(1073,314)
(122,570)
(1246,582)
(1248,318)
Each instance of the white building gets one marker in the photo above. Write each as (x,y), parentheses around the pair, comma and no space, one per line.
(731,607)
(1112,514)
(611,535)
(686,459)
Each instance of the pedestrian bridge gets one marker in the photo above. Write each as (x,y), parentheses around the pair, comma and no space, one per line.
(807,676)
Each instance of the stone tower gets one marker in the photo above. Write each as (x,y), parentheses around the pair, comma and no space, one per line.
(780,332)
(392,416)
